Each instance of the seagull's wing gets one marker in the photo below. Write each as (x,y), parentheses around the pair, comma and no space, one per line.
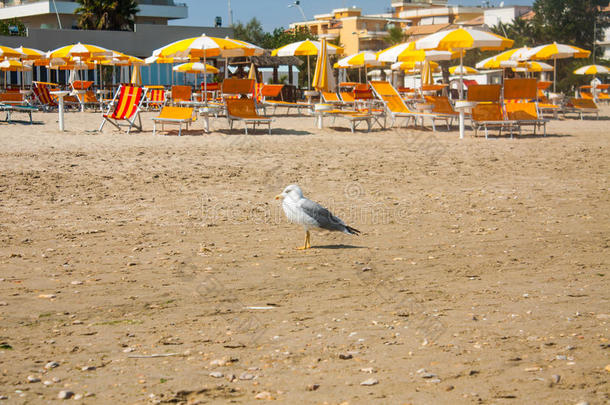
(323,217)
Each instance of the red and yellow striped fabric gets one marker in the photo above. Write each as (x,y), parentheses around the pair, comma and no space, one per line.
(41,90)
(128,103)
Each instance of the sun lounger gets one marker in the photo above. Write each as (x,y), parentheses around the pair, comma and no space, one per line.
(518,96)
(489,112)
(330,97)
(12,98)
(274,91)
(396,106)
(353,117)
(11,108)
(126,106)
(582,106)
(181,94)
(443,109)
(176,116)
(244,109)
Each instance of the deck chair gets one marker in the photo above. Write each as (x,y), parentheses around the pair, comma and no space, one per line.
(354,117)
(155,97)
(181,94)
(544,104)
(43,95)
(518,96)
(582,106)
(489,111)
(395,105)
(244,109)
(176,116)
(126,106)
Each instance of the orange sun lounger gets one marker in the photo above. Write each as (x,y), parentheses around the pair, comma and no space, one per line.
(174,115)
(244,109)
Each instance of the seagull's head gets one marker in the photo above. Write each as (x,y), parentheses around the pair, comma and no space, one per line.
(292,192)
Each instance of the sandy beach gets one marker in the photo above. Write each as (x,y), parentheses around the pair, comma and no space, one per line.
(141,269)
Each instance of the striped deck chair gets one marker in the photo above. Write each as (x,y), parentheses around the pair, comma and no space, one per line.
(125,106)
(43,95)
(155,97)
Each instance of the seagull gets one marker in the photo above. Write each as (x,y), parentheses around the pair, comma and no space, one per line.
(310,214)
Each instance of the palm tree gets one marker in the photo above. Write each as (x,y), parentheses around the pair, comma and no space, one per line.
(111,15)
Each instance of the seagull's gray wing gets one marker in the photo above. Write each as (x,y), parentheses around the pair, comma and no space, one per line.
(324,218)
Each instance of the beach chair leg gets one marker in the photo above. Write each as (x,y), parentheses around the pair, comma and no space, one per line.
(154,128)
(269,125)
(486,134)
(102,126)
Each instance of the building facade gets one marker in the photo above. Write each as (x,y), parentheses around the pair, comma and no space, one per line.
(59,14)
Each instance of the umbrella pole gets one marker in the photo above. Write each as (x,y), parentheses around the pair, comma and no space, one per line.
(205,81)
(461,94)
(308,74)
(554,74)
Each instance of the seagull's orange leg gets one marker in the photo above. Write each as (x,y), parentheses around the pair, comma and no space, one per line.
(307,245)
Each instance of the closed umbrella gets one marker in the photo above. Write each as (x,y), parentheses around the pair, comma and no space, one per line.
(306,48)
(323,79)
(462,39)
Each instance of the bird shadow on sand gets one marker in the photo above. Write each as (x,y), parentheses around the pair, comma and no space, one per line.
(338,247)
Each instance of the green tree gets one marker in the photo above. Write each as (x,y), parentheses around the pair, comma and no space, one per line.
(110,15)
(13,22)
(250,32)
(396,35)
(280,37)
(569,21)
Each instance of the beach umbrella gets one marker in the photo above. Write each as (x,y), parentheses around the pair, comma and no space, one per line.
(195,68)
(364,59)
(84,51)
(406,52)
(6,52)
(533,66)
(592,70)
(136,76)
(306,48)
(462,70)
(506,59)
(11,65)
(414,66)
(556,51)
(31,53)
(204,47)
(426,74)
(323,78)
(462,39)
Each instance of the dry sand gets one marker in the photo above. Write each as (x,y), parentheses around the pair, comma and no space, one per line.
(481,275)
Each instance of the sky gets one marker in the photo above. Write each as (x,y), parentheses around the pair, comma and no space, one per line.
(275,13)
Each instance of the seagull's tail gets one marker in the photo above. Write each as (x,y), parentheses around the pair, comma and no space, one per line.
(351,231)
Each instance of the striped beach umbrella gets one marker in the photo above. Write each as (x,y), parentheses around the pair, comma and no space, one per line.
(506,59)
(306,48)
(84,51)
(6,52)
(323,79)
(195,67)
(592,70)
(462,70)
(406,52)
(533,66)
(556,51)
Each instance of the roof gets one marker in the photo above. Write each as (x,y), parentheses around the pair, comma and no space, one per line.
(480,20)
(426,29)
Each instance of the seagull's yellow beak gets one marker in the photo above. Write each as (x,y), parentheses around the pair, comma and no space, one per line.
(279,196)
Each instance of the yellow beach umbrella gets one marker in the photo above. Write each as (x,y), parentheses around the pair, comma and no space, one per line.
(533,66)
(463,39)
(195,67)
(414,66)
(31,53)
(462,70)
(506,59)
(11,65)
(426,74)
(6,52)
(556,51)
(406,52)
(306,48)
(592,70)
(323,79)
(85,51)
